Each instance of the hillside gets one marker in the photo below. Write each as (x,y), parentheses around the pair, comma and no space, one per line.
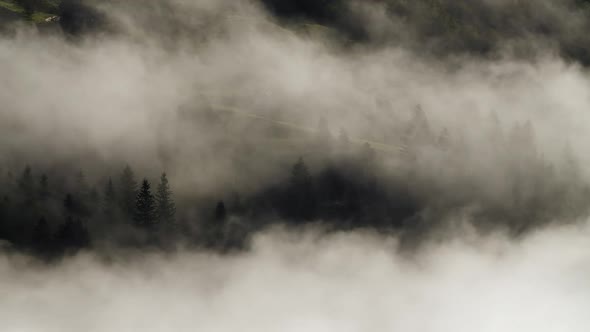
(439,28)
(447,27)
(35,11)
(8,15)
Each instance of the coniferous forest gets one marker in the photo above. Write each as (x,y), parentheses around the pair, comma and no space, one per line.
(294,165)
(55,213)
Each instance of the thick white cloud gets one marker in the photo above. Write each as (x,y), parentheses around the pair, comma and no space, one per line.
(118,96)
(340,282)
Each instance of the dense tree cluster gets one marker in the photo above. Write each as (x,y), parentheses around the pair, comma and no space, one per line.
(56,215)
(432,176)
(449,27)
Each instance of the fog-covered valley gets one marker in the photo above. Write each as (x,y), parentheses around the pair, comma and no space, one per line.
(348,165)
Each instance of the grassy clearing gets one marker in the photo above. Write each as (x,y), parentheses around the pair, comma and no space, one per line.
(49,9)
(11,6)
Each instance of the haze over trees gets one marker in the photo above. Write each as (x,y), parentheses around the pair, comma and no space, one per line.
(281,165)
(52,213)
(359,126)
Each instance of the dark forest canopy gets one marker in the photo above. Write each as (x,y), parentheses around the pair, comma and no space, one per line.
(448,27)
(440,27)
(58,212)
(313,165)
(227,108)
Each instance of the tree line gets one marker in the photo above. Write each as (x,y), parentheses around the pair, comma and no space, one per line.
(506,182)
(45,216)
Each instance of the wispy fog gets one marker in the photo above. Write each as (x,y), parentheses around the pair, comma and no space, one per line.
(128,95)
(448,177)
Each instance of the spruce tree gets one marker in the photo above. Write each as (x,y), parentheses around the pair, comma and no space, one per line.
(300,174)
(214,230)
(165,208)
(444,139)
(44,187)
(82,195)
(109,200)
(220,211)
(301,200)
(70,205)
(26,185)
(128,192)
(82,188)
(145,206)
(72,236)
(418,131)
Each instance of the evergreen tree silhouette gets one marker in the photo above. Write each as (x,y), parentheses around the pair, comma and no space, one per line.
(93,201)
(26,185)
(82,188)
(109,201)
(220,211)
(81,184)
(44,187)
(419,131)
(213,231)
(145,206)
(72,235)
(83,196)
(301,203)
(128,192)
(165,208)
(70,205)
(300,174)
(444,139)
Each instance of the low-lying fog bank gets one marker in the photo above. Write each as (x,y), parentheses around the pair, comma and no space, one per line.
(307,282)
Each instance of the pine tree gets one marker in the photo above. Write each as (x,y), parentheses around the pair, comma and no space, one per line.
(213,229)
(93,200)
(72,235)
(301,201)
(145,206)
(444,139)
(300,174)
(26,186)
(44,187)
(82,195)
(109,201)
(220,211)
(128,192)
(70,205)
(165,208)
(81,184)
(419,131)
